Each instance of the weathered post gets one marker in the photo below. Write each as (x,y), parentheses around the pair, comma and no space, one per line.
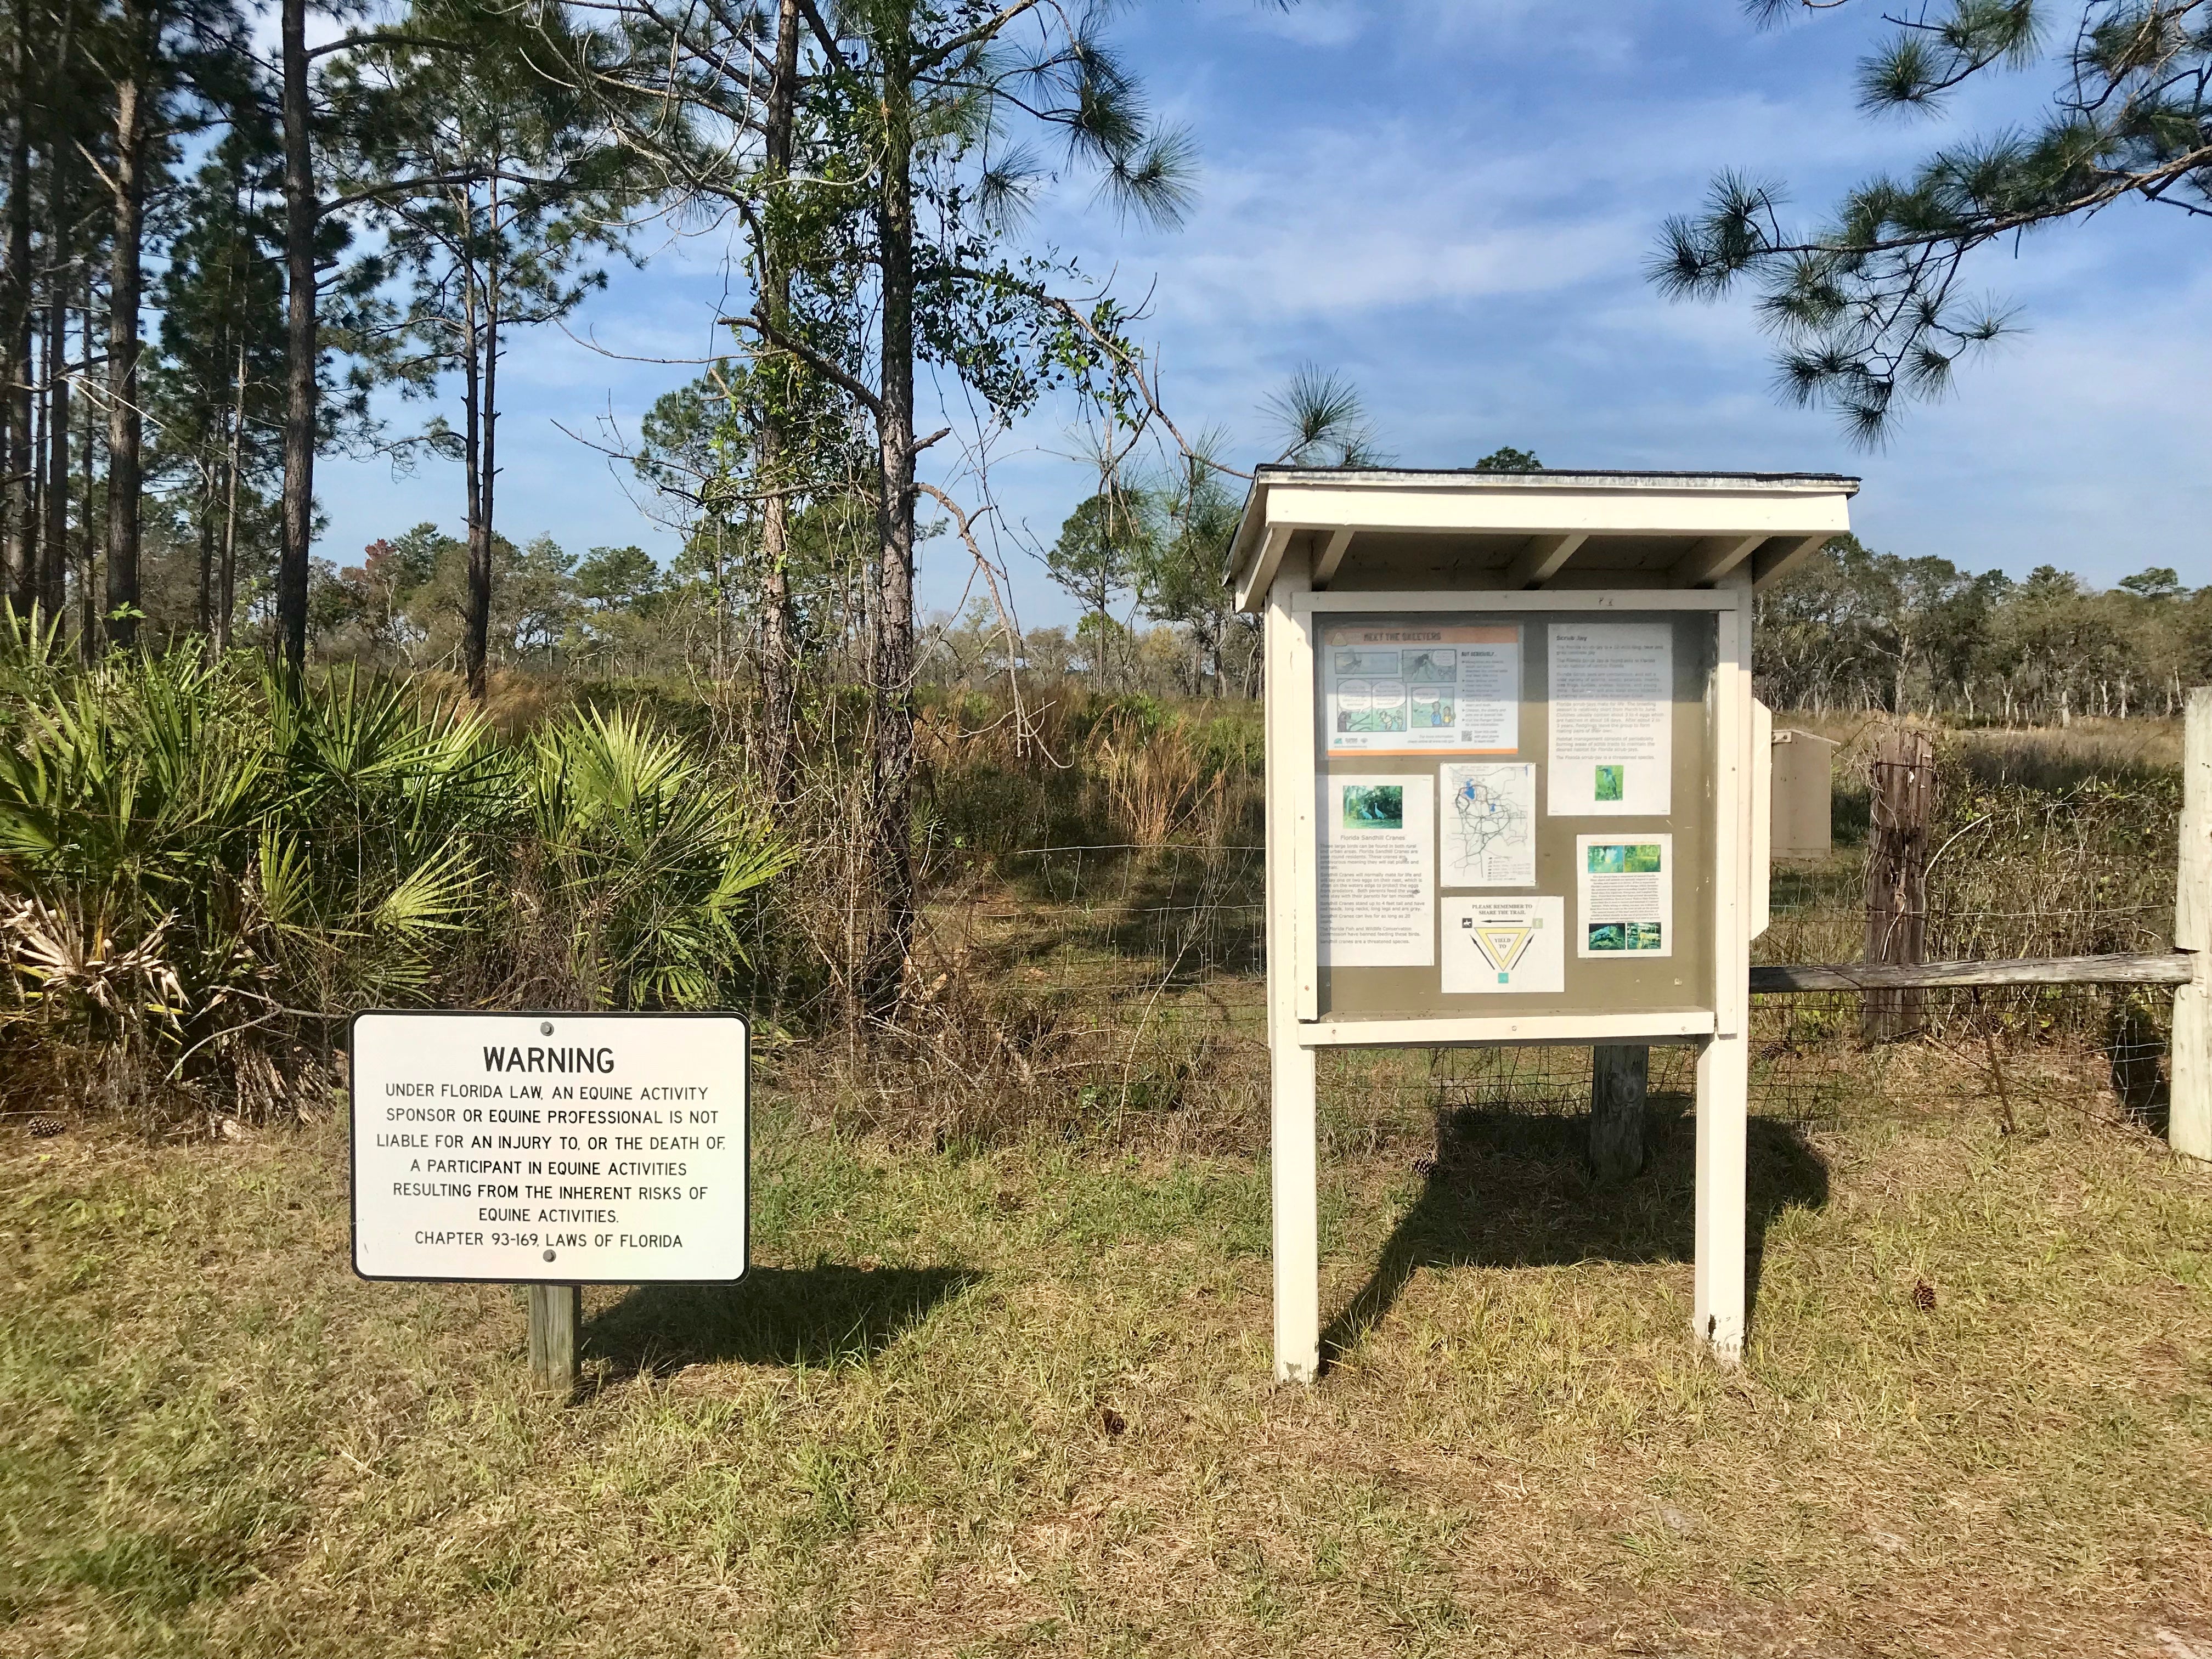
(2189,1125)
(1903,802)
(1620,1078)
(555,1311)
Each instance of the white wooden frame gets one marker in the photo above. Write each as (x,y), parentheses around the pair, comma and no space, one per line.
(1296,1033)
(2188,1129)
(1720,518)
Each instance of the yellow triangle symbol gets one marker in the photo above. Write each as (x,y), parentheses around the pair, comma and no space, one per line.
(1502,947)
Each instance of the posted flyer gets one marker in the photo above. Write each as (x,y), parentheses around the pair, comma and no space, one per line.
(1624,896)
(1504,945)
(1377,872)
(1613,720)
(1488,833)
(1414,690)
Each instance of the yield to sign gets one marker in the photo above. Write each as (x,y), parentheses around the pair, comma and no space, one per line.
(1503,946)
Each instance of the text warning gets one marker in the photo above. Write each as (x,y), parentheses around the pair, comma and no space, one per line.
(567,1149)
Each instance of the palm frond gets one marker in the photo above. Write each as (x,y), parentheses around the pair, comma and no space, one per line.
(1320,417)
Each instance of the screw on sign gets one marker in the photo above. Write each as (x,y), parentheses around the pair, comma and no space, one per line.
(550,1151)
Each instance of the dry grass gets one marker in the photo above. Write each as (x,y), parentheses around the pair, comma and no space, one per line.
(2051,757)
(1018,1402)
(1104,1004)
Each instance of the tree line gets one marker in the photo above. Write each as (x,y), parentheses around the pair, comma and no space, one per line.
(227,224)
(1852,629)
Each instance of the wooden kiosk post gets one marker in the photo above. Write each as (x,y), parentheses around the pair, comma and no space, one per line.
(2189,1127)
(1515,791)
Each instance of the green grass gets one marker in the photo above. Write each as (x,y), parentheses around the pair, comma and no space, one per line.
(1019,1400)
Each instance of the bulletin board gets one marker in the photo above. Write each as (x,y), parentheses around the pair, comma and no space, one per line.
(1514,812)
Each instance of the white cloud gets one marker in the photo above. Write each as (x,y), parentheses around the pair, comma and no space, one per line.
(1314,23)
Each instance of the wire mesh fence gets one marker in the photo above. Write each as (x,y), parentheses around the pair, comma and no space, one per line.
(1093,946)
(1129,979)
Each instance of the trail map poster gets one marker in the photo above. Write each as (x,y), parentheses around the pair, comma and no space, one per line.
(1613,720)
(1416,690)
(1624,895)
(1488,835)
(1377,872)
(1504,945)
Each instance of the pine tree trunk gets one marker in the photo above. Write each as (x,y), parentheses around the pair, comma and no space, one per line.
(53,560)
(27,592)
(226,595)
(779,666)
(54,564)
(87,579)
(15,329)
(302,213)
(488,484)
(204,610)
(125,283)
(476,609)
(892,795)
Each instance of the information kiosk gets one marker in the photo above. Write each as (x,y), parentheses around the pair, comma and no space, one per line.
(1516,790)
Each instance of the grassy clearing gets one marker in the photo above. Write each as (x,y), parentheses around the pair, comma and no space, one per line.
(1017,1400)
(998,1382)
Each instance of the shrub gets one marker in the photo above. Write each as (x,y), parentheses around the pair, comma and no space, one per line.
(202,876)
(192,863)
(650,858)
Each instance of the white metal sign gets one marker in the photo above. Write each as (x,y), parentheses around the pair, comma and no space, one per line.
(567,1149)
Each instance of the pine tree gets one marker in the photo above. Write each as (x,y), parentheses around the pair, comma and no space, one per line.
(505,238)
(899,256)
(1870,309)
(1101,554)
(1186,564)
(216,391)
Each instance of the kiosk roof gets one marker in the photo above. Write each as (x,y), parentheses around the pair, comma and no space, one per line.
(1380,528)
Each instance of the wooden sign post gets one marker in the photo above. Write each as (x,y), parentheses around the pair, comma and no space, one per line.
(555,1310)
(1516,795)
(551,1150)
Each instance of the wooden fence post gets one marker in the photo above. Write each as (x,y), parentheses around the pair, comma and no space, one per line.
(2189,1124)
(1904,802)
(1620,1078)
(555,1311)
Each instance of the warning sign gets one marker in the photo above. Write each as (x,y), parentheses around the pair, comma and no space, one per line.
(567,1148)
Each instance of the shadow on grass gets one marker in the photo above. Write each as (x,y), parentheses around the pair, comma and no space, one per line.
(825,1315)
(1513,1189)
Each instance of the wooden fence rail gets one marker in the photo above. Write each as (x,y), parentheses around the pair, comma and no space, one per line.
(2162,968)
(1893,977)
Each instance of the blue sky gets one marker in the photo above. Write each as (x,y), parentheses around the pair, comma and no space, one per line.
(1450,201)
